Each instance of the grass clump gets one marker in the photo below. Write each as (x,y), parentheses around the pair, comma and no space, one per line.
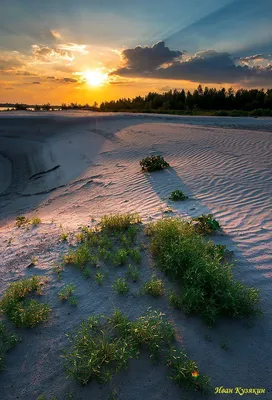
(185,372)
(20,310)
(208,286)
(64,236)
(103,346)
(205,224)
(120,286)
(175,300)
(120,257)
(8,340)
(99,277)
(78,257)
(66,292)
(153,163)
(177,195)
(119,222)
(154,287)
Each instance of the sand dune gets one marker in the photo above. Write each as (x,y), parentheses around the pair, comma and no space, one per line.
(70,166)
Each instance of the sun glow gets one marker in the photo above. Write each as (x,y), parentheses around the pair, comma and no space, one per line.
(95,78)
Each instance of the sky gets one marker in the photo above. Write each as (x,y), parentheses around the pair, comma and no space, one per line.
(94,50)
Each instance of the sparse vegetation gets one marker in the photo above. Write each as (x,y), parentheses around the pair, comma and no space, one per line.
(135,255)
(101,348)
(119,222)
(208,287)
(224,344)
(86,273)
(66,292)
(58,269)
(154,287)
(177,195)
(22,311)
(120,257)
(120,286)
(185,372)
(175,300)
(8,340)
(153,163)
(205,224)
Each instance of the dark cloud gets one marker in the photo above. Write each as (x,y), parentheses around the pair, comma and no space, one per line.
(62,80)
(208,66)
(36,83)
(46,54)
(141,59)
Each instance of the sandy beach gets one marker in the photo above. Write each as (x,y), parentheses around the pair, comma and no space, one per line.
(68,167)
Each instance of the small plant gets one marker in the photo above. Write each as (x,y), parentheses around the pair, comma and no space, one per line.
(64,236)
(153,163)
(80,237)
(133,273)
(66,292)
(205,224)
(154,287)
(120,257)
(120,286)
(99,277)
(8,340)
(177,195)
(87,273)
(224,344)
(29,313)
(10,241)
(35,221)
(135,255)
(185,372)
(21,221)
(119,222)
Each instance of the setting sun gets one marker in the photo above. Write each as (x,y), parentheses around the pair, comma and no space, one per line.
(95,78)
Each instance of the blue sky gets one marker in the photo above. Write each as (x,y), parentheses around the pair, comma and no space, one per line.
(199,29)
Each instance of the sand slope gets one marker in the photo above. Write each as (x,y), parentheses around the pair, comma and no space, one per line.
(67,168)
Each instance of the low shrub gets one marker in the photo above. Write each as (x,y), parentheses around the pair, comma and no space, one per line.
(78,257)
(208,287)
(153,163)
(21,221)
(177,195)
(66,292)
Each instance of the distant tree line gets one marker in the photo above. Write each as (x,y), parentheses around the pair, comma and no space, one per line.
(221,101)
(207,101)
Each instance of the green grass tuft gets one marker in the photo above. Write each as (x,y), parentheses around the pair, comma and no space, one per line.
(78,257)
(22,311)
(133,273)
(120,286)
